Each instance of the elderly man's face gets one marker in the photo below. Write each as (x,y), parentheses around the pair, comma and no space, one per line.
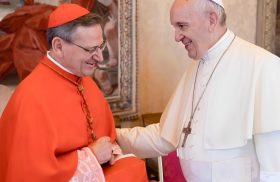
(191,27)
(79,61)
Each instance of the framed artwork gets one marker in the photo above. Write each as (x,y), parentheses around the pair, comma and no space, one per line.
(116,76)
(266,24)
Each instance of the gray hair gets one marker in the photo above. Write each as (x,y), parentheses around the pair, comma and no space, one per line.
(209,5)
(65,31)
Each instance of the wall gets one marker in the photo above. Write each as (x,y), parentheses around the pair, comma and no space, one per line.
(161,61)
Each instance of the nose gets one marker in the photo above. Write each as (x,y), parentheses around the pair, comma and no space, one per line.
(178,36)
(98,55)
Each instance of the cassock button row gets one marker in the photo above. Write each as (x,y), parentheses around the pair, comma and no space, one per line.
(83,106)
(90,119)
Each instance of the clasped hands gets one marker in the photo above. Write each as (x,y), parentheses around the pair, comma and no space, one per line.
(105,151)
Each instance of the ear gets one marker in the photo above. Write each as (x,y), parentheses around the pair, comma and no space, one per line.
(213,20)
(57,46)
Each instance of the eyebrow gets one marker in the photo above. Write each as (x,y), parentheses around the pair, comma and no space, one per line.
(97,45)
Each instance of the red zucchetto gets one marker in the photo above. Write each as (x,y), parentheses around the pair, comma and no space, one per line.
(66,13)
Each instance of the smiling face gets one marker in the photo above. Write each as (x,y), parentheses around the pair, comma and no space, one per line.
(192,27)
(77,60)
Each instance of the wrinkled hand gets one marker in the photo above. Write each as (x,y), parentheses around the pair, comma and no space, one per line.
(102,148)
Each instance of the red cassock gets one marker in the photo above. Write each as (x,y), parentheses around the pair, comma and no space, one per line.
(44,124)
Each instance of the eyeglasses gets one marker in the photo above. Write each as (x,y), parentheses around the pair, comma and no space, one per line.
(93,49)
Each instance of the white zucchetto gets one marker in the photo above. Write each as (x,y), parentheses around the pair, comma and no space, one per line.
(219,2)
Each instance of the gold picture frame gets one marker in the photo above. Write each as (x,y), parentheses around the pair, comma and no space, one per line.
(266,24)
(124,102)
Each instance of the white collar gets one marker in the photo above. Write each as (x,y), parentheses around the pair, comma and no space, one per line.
(57,63)
(219,47)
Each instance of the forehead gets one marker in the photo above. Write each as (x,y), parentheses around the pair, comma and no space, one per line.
(93,32)
(185,11)
(180,11)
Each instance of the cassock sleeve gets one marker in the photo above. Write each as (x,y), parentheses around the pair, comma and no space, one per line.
(268,149)
(88,168)
(144,142)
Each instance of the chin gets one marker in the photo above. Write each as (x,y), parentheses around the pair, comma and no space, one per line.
(87,73)
(192,56)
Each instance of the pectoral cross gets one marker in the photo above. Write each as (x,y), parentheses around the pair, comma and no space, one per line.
(186,131)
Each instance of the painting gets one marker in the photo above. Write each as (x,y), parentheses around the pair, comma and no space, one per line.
(266,25)
(120,69)
(123,100)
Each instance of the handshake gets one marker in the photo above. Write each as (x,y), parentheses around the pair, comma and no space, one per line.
(105,151)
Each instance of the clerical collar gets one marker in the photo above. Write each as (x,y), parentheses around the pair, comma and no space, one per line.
(217,49)
(57,63)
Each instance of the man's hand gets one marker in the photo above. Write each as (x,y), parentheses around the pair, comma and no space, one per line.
(102,148)
(116,153)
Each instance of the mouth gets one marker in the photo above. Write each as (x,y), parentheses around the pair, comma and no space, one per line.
(187,44)
(91,64)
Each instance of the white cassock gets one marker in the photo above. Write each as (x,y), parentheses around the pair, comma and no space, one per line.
(236,127)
